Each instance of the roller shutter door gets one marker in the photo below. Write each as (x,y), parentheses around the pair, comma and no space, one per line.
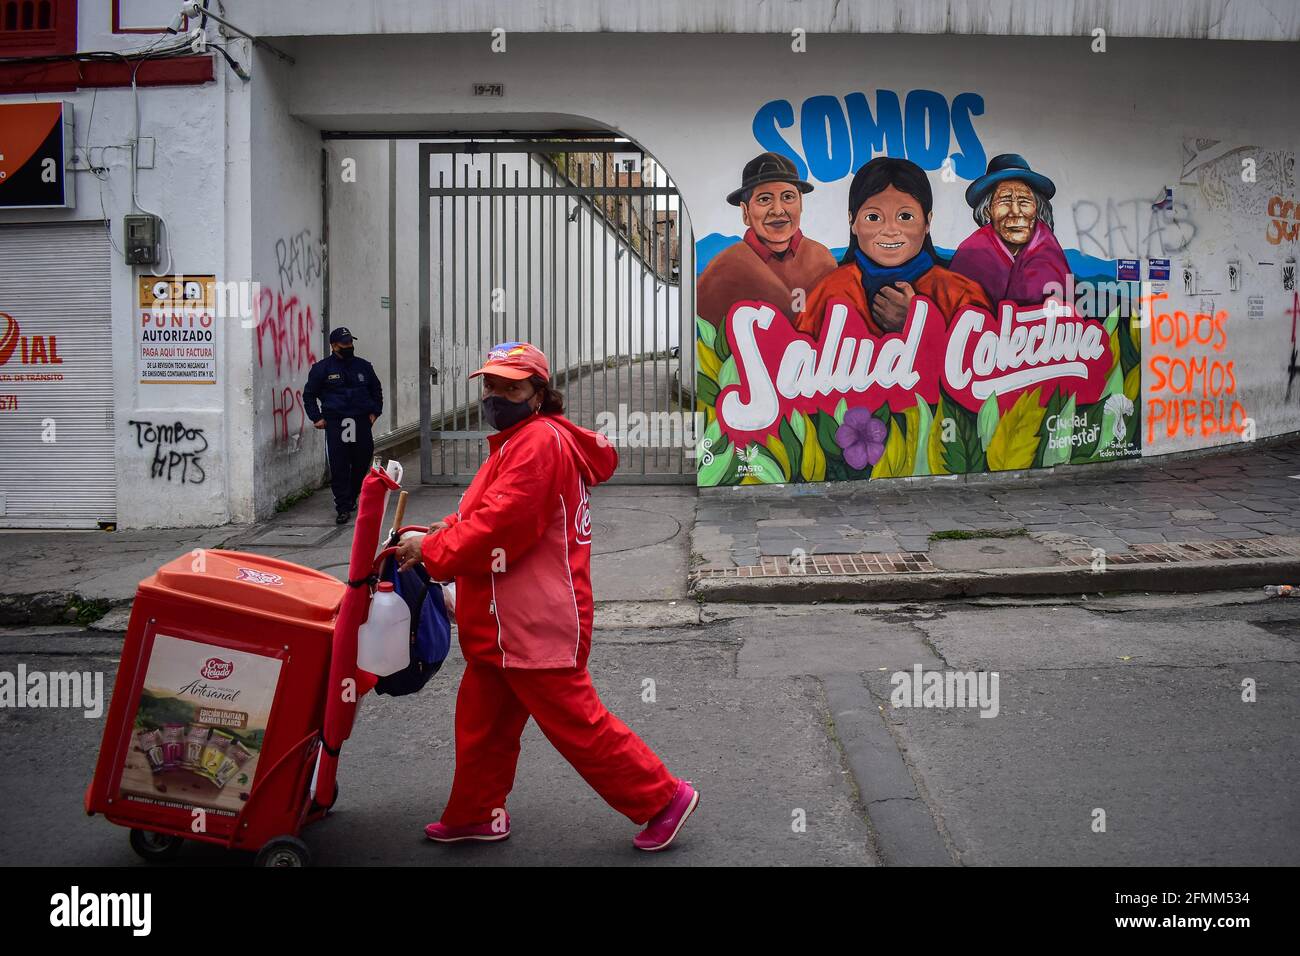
(57,451)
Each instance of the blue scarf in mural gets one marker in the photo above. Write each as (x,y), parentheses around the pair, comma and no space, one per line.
(875,277)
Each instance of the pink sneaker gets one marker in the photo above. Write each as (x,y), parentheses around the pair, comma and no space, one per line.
(663,826)
(483,832)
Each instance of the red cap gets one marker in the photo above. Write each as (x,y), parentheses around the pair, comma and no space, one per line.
(517,360)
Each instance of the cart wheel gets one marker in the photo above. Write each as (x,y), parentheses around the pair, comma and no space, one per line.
(155,847)
(284,851)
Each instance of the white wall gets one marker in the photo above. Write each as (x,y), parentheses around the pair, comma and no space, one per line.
(287,262)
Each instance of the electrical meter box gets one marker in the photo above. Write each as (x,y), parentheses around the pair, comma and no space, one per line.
(141,239)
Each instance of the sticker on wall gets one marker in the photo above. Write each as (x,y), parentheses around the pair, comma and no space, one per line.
(1254,307)
(889,359)
(1288,275)
(1158,270)
(1234,276)
(178,343)
(1128,270)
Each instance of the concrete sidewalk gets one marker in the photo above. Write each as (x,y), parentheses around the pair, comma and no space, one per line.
(1192,524)
(1209,522)
(639,563)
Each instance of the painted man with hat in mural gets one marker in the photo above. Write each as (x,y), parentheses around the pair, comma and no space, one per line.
(1014,254)
(775,258)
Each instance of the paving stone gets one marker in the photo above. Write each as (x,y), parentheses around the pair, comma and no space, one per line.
(1134,536)
(1270,527)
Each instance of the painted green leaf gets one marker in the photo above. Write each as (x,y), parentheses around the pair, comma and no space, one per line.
(826,428)
(796,422)
(893,463)
(793,446)
(964,455)
(1133,384)
(934,451)
(1063,418)
(841,410)
(1091,433)
(988,420)
(813,467)
(773,444)
(708,361)
(711,473)
(706,389)
(731,476)
(1016,440)
(722,346)
(728,375)
(764,466)
(706,331)
(921,440)
(1129,355)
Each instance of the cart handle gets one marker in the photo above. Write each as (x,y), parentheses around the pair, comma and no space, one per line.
(380,558)
(387,552)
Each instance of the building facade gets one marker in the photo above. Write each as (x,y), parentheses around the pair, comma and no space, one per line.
(1170,150)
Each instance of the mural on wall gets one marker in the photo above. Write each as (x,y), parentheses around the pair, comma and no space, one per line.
(877,355)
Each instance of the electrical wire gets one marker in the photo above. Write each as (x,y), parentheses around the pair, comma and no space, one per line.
(152,51)
(135,167)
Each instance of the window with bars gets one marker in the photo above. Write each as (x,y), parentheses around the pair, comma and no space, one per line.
(38,27)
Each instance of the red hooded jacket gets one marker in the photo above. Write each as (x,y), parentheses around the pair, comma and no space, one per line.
(519,546)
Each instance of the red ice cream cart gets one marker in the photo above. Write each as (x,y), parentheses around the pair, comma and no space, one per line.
(237,686)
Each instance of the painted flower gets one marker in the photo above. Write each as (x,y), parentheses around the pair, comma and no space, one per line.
(862,436)
(1119,405)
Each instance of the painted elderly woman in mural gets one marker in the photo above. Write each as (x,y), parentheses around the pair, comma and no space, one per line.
(891,258)
(1014,254)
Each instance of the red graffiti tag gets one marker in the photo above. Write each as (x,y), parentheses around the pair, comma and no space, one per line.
(292,329)
(287,402)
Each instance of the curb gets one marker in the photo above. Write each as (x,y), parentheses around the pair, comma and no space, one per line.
(1003,582)
(51,607)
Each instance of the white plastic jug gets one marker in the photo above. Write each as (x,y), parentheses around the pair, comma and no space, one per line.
(384,641)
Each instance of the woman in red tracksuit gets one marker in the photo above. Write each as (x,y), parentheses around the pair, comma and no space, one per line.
(519,548)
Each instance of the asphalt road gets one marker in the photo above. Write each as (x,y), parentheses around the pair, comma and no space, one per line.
(1132,706)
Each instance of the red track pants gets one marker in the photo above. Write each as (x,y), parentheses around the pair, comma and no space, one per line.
(492,707)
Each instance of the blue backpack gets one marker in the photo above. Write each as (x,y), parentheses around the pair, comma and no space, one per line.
(430,629)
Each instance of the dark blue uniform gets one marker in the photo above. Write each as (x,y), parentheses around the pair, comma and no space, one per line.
(342,390)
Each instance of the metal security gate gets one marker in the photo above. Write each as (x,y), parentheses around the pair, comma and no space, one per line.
(580,247)
(58,458)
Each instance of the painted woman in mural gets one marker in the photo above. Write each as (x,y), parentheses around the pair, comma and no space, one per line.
(1014,254)
(890,258)
(775,258)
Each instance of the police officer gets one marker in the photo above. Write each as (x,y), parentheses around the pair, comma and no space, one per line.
(343,396)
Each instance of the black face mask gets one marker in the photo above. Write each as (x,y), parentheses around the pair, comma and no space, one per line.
(346,352)
(501,413)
